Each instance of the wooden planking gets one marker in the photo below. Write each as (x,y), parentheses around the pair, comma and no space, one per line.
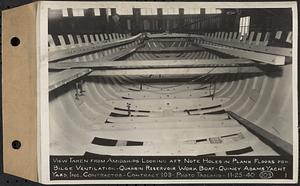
(168,148)
(152,63)
(271,139)
(176,71)
(80,50)
(168,134)
(61,78)
(261,57)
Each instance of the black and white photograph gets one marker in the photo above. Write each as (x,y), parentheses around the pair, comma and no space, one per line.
(167,85)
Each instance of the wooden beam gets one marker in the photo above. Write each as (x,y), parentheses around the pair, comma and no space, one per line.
(85,49)
(154,63)
(275,142)
(167,39)
(257,48)
(173,35)
(257,56)
(61,78)
(167,104)
(171,49)
(176,71)
(174,118)
(154,95)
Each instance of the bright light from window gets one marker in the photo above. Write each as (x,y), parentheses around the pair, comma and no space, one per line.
(148,11)
(65,12)
(78,12)
(97,11)
(124,11)
(244,25)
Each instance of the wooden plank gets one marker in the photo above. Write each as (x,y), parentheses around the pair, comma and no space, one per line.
(277,143)
(157,95)
(257,56)
(153,63)
(174,89)
(61,78)
(176,71)
(171,124)
(167,104)
(80,50)
(173,118)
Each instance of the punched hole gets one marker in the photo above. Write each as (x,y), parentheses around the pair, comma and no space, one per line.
(15,41)
(16,144)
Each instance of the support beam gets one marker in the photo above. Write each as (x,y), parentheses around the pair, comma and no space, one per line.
(61,78)
(277,143)
(171,49)
(176,71)
(257,56)
(154,64)
(255,48)
(167,104)
(90,48)
(168,40)
(173,35)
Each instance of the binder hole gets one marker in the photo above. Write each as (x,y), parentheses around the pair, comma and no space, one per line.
(16,144)
(15,41)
